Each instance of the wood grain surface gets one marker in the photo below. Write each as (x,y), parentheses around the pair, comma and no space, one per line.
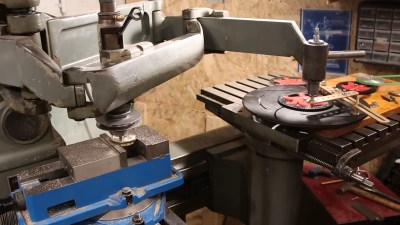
(385,108)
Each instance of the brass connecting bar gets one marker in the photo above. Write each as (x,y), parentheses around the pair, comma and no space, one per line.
(334,96)
(355,103)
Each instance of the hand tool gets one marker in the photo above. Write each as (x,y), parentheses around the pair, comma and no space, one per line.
(397,94)
(318,171)
(389,99)
(393,99)
(366,211)
(381,194)
(386,98)
(368,195)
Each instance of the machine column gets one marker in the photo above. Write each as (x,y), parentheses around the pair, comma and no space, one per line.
(275,184)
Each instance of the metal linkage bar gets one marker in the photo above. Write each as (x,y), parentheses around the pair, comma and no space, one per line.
(355,103)
(335,96)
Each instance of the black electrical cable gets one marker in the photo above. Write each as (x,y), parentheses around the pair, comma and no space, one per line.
(6,205)
(7,213)
(9,218)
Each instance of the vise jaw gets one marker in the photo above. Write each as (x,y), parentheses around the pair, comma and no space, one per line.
(92,178)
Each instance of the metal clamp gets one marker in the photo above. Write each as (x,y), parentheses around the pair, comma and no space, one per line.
(346,172)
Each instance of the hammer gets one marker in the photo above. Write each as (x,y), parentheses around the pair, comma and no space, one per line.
(368,195)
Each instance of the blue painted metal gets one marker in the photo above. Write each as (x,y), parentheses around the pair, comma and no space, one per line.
(100,194)
(151,215)
(20,219)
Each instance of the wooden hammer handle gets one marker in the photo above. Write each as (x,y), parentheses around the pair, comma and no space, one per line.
(385,202)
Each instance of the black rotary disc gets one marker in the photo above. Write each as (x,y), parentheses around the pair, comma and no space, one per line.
(264,104)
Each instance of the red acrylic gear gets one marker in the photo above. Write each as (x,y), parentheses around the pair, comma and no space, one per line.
(301,99)
(351,86)
(289,81)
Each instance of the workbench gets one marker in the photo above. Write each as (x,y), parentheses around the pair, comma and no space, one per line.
(338,206)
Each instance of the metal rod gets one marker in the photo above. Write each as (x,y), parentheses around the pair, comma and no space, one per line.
(331,182)
(346,54)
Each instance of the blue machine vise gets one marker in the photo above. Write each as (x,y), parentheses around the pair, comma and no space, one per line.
(100,182)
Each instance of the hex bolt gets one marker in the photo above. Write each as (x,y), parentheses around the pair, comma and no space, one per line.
(137,219)
(127,193)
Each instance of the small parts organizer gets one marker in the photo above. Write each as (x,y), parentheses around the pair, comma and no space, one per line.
(378,32)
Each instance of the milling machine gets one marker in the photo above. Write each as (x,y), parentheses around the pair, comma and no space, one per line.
(95,66)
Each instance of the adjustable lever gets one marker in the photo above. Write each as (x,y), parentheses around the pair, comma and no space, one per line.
(136,14)
(346,54)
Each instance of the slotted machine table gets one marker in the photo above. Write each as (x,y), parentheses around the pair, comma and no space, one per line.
(328,146)
(281,149)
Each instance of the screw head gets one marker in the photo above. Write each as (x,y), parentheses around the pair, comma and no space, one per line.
(137,219)
(126,191)
(119,17)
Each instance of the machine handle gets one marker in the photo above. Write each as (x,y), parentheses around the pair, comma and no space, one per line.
(346,54)
(136,14)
